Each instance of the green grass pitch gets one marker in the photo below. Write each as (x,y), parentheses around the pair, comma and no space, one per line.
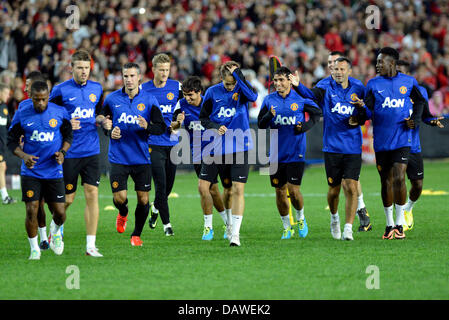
(264,267)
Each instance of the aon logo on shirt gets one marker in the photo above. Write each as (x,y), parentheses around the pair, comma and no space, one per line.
(165,108)
(342,109)
(128,119)
(393,103)
(226,112)
(42,136)
(83,113)
(285,120)
(196,126)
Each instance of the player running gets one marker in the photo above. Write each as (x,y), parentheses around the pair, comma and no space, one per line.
(225,109)
(387,102)
(47,135)
(283,111)
(188,110)
(132,114)
(342,143)
(362,212)
(415,166)
(167,92)
(82,99)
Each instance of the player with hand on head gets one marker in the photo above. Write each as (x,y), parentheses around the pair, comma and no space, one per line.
(362,212)
(387,101)
(342,142)
(47,135)
(284,111)
(225,116)
(4,125)
(187,111)
(167,92)
(130,116)
(415,166)
(82,99)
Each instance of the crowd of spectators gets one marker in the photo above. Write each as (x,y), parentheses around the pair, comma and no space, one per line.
(202,34)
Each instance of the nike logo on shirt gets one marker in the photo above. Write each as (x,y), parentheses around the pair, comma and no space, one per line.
(71,99)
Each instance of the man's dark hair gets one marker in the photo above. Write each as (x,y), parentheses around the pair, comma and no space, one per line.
(404,64)
(39,86)
(80,55)
(283,71)
(131,65)
(334,53)
(36,75)
(344,59)
(390,52)
(192,83)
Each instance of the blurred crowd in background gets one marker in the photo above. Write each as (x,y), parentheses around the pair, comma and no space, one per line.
(202,34)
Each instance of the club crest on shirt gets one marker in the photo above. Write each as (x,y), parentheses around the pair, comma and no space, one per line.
(53,123)
(170,96)
(294,106)
(403,90)
(235,96)
(92,97)
(354,96)
(141,107)
(5,111)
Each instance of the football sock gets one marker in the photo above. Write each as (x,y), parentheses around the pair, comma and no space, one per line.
(389,216)
(299,214)
(141,215)
(409,205)
(90,241)
(224,216)
(33,243)
(122,208)
(208,220)
(286,221)
(360,202)
(236,223)
(155,210)
(54,228)
(4,193)
(335,217)
(228,215)
(348,226)
(400,220)
(43,233)
(168,225)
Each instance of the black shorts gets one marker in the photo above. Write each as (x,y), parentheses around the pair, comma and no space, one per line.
(386,159)
(197,168)
(415,167)
(34,189)
(231,167)
(141,175)
(88,168)
(2,152)
(290,172)
(342,166)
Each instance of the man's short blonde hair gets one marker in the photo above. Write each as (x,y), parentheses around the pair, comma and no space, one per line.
(224,72)
(160,58)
